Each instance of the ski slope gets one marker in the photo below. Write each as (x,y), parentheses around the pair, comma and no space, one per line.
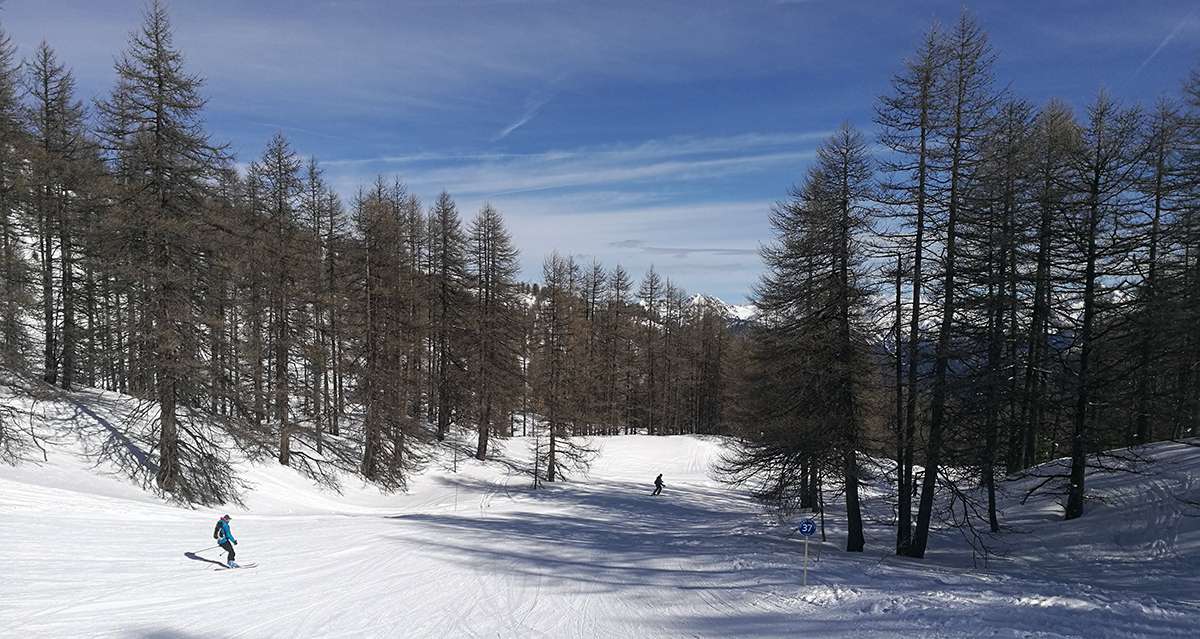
(477,553)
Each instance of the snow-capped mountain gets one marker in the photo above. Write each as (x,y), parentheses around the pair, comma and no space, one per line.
(737,313)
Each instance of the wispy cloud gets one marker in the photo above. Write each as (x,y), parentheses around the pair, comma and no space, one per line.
(647,149)
(661,161)
(300,130)
(703,246)
(590,200)
(681,251)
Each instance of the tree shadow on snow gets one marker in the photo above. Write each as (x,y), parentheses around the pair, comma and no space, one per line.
(608,536)
(166,633)
(698,557)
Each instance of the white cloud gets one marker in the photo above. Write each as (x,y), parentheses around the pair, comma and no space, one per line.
(660,161)
(634,203)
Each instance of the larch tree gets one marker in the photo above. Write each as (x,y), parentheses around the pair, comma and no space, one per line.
(1105,171)
(493,365)
(448,264)
(816,299)
(650,295)
(964,118)
(15,294)
(1055,138)
(996,207)
(153,133)
(278,173)
(908,124)
(57,160)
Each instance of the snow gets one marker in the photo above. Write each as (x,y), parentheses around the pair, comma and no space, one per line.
(742,312)
(479,553)
(734,312)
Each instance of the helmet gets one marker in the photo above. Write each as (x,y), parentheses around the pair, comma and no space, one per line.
(226,517)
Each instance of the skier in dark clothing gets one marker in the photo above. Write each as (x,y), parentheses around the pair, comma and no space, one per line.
(658,484)
(225,539)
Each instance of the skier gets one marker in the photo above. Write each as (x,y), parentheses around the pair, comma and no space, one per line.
(658,484)
(225,539)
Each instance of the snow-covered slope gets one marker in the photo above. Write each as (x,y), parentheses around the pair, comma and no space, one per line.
(477,553)
(735,313)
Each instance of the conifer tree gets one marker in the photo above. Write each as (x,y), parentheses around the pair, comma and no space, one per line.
(15,294)
(278,173)
(152,130)
(908,120)
(58,157)
(650,294)
(1105,170)
(494,368)
(816,302)
(963,120)
(448,264)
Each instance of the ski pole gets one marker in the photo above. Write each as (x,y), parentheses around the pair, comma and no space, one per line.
(209,548)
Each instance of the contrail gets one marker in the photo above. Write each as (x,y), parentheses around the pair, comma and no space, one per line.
(1165,41)
(523,120)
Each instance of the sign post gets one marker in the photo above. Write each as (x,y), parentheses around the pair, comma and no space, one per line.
(807,528)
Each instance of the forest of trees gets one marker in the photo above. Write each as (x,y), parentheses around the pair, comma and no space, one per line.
(256,307)
(1003,284)
(980,286)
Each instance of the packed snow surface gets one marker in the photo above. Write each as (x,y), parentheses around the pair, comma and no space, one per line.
(479,553)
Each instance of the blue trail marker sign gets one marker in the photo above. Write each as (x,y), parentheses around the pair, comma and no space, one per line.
(807,529)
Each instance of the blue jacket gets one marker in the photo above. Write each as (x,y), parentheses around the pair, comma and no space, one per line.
(223,532)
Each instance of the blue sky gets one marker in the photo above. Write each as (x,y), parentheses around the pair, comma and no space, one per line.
(634,132)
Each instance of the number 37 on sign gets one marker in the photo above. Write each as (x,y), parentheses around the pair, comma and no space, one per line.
(807,528)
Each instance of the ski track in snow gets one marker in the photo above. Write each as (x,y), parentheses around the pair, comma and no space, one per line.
(89,555)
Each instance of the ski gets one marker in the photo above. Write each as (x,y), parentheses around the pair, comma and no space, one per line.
(237,567)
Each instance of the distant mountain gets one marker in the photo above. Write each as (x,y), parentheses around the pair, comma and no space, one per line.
(737,314)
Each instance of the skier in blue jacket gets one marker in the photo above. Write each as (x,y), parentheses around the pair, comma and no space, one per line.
(225,539)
